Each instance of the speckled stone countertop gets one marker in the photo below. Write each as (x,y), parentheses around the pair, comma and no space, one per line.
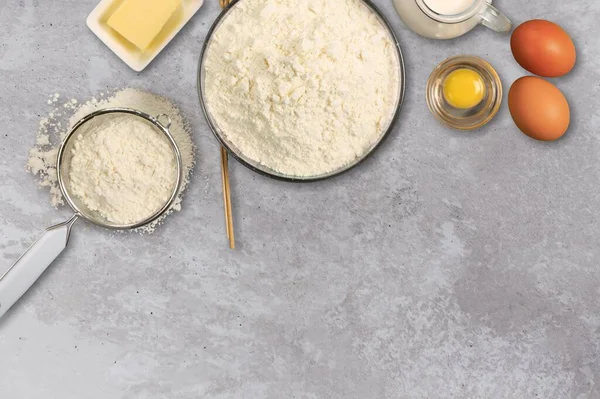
(448,265)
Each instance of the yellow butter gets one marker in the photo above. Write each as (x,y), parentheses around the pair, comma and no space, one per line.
(140,21)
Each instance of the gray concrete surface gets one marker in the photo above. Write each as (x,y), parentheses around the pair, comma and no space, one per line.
(449,265)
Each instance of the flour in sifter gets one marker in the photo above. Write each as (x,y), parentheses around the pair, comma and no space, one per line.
(124,169)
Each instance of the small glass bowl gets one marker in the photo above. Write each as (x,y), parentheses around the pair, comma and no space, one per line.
(470,118)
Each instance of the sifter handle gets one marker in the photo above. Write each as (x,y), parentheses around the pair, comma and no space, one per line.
(30,266)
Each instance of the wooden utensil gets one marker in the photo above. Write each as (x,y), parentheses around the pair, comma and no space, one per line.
(227,197)
(225,179)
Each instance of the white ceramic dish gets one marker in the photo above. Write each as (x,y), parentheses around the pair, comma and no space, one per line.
(133,57)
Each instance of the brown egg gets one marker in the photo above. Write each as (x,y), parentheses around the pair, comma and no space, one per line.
(539,108)
(543,48)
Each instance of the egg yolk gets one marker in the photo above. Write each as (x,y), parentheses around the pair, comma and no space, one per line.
(463,88)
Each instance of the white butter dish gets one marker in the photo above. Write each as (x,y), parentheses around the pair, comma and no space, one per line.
(131,55)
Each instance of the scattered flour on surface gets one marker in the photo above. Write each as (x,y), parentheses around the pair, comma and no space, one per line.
(302,87)
(54,128)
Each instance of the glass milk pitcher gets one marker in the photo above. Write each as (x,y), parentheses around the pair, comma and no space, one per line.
(447,19)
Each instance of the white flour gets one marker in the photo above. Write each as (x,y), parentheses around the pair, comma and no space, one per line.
(124,169)
(54,127)
(302,87)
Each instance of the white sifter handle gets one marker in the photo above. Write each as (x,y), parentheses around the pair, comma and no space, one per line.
(30,266)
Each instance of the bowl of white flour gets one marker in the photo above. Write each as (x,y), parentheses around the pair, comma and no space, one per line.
(301,90)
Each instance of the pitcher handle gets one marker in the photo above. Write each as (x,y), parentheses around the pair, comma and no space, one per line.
(495,20)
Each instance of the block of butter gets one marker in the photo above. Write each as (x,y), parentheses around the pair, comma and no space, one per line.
(138,30)
(140,21)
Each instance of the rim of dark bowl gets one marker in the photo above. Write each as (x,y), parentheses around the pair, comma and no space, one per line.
(299,179)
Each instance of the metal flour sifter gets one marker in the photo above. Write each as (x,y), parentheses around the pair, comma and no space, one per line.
(30,266)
